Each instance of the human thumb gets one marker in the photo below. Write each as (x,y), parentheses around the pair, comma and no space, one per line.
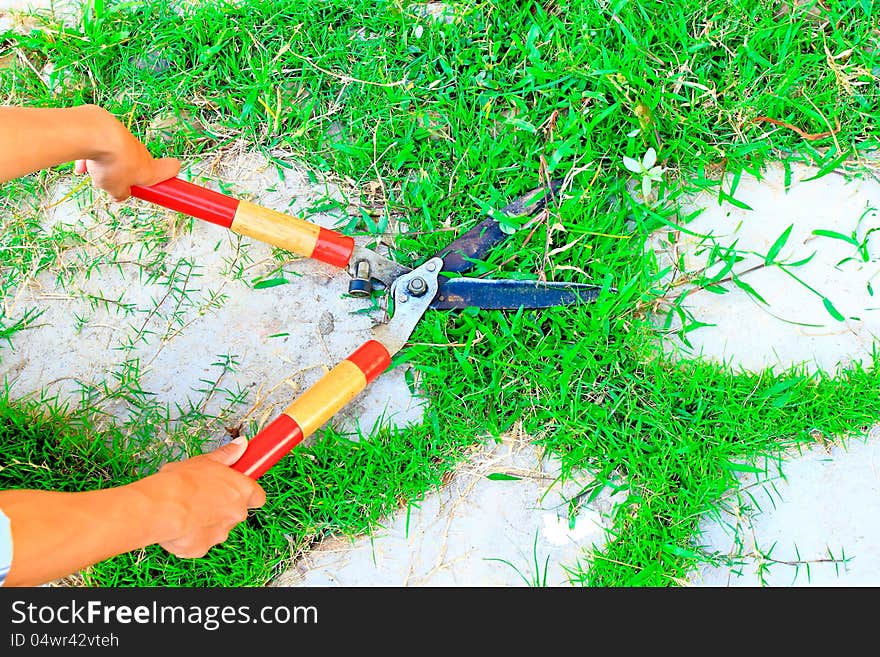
(162,169)
(230,452)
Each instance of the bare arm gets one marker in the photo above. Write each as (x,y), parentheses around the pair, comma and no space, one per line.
(187,507)
(35,138)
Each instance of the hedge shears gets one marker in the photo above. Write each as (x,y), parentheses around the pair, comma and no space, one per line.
(436,283)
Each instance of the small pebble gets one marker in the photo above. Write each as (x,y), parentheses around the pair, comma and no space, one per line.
(151,61)
(326,324)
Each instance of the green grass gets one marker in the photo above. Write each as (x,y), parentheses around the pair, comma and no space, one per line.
(448,117)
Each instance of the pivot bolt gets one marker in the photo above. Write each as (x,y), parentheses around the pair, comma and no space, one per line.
(417,287)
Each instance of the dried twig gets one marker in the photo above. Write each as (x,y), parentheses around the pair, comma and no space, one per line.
(809,136)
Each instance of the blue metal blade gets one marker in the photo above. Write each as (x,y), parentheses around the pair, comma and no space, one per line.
(508,294)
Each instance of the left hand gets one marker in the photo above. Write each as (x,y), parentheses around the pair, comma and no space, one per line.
(124,161)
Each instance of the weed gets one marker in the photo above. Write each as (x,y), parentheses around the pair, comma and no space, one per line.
(427,116)
(647,170)
(537,576)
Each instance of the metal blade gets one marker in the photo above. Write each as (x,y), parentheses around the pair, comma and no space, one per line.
(477,242)
(505,294)
(369,270)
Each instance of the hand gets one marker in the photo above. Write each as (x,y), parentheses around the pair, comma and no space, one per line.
(124,161)
(208,499)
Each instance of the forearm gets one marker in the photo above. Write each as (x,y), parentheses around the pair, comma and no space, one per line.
(35,138)
(55,534)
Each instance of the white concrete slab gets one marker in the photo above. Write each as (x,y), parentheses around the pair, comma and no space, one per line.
(814,521)
(475,531)
(794,326)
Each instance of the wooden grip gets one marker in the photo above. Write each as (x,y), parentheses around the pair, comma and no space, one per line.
(313,408)
(276,228)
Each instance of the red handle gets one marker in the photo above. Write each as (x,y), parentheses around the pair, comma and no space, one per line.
(194,200)
(282,230)
(313,408)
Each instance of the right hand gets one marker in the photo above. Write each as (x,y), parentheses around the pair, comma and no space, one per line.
(208,499)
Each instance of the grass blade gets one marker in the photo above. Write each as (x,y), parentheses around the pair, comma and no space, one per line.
(833,234)
(270,282)
(502,476)
(777,246)
(832,310)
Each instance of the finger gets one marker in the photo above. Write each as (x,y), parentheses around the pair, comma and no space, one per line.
(80,167)
(185,549)
(120,195)
(221,533)
(109,184)
(230,452)
(211,536)
(162,169)
(257,498)
(191,553)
